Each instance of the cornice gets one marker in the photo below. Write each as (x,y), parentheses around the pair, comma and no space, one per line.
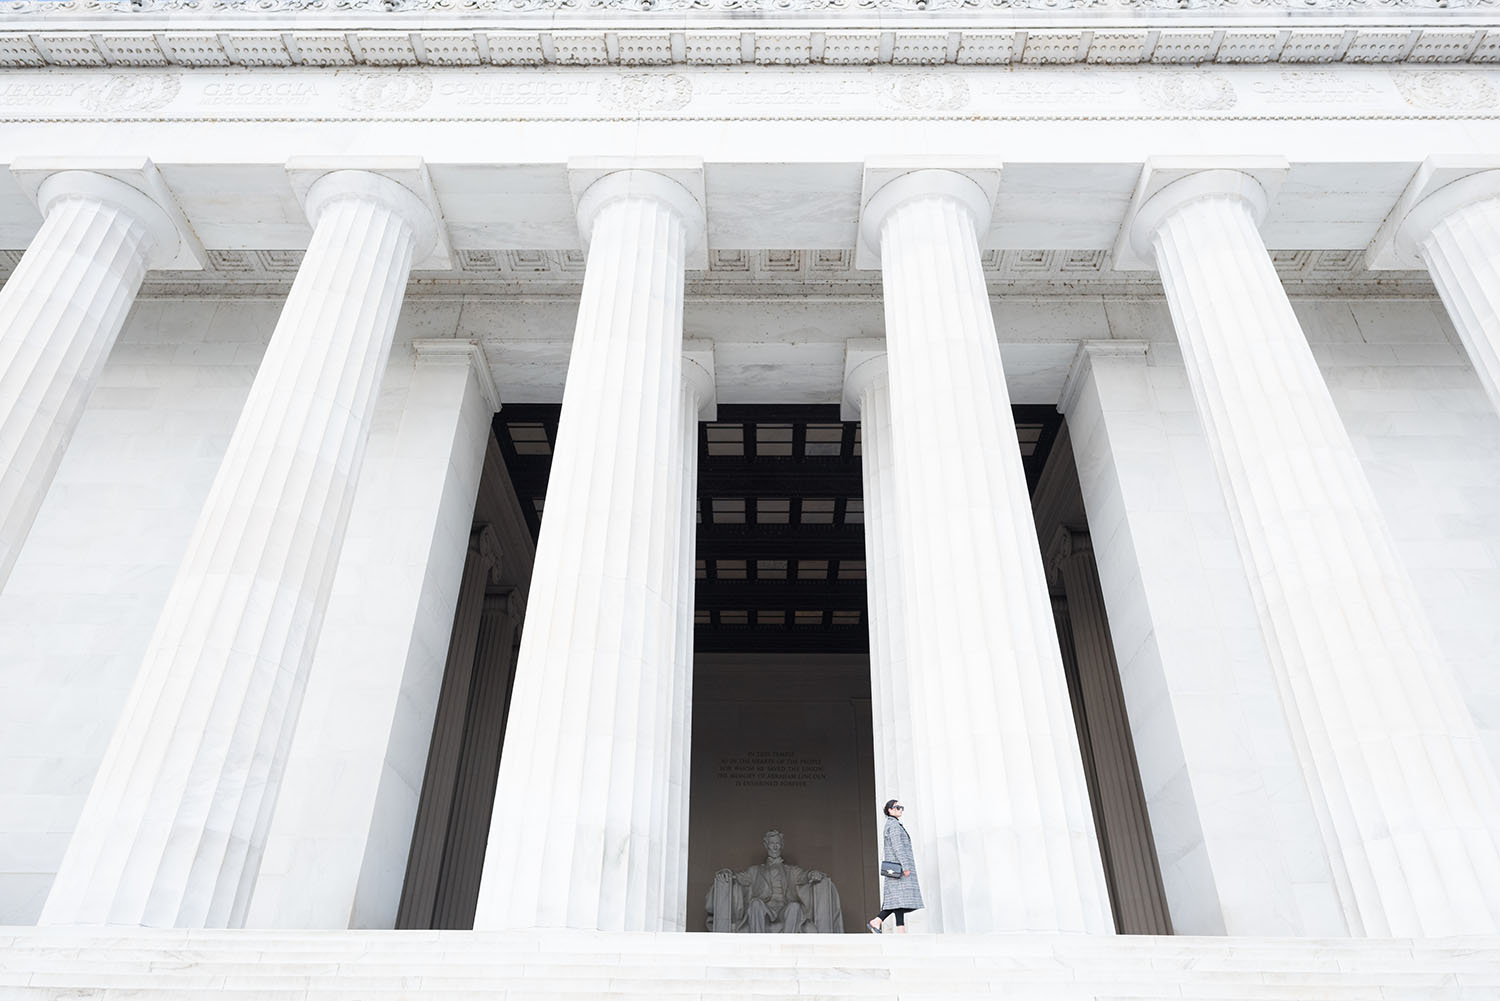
(40,38)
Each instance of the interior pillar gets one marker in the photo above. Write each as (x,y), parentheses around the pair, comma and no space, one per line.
(430,831)
(468,824)
(1120,806)
(894,707)
(699,402)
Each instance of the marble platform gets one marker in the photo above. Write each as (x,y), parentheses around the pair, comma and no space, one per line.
(51,964)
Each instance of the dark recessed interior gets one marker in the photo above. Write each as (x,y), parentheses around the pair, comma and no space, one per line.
(780,552)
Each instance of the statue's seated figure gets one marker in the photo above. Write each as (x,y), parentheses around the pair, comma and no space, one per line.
(773,896)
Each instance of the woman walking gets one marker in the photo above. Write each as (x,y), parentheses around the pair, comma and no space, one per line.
(899,894)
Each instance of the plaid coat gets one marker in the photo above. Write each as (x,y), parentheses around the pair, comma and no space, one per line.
(906,891)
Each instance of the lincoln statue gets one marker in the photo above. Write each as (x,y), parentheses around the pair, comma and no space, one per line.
(773,896)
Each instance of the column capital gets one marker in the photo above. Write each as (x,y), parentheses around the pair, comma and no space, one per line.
(129,183)
(1441,186)
(484,544)
(399,183)
(460,351)
(698,372)
(1168,183)
(1066,542)
(675,181)
(1083,363)
(865,364)
(504,601)
(891,183)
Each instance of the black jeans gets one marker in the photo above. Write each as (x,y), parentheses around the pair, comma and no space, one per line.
(900,913)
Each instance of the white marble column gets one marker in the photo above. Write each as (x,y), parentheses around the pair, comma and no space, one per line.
(699,402)
(172,831)
(60,313)
(1409,800)
(577,840)
(1455,231)
(1010,817)
(895,709)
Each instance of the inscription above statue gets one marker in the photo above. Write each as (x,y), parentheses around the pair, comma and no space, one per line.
(773,896)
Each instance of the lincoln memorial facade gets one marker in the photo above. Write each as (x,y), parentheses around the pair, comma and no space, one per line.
(469,471)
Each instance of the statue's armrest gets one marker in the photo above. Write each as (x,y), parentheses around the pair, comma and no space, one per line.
(725,905)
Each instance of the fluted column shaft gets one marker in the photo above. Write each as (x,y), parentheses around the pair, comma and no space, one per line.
(588,760)
(697,385)
(172,830)
(1009,806)
(896,712)
(1462,253)
(60,314)
(474,782)
(1410,802)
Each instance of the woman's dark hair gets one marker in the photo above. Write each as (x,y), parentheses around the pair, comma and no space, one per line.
(888,804)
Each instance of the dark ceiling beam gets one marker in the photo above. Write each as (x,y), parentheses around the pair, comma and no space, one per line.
(799,639)
(735,477)
(734,542)
(787,595)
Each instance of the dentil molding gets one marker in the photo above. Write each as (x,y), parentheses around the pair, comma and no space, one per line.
(40,37)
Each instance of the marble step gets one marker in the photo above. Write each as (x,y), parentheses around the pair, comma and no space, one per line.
(166,965)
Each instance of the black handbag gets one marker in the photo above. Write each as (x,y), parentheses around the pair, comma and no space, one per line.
(892,870)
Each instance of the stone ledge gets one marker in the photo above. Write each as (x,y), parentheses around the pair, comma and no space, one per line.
(156,965)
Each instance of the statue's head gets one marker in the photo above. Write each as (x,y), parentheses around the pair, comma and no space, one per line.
(773,842)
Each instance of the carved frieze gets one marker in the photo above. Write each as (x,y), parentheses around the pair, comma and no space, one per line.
(925,91)
(385,91)
(653,92)
(1020,93)
(135,92)
(1446,90)
(832,267)
(1189,91)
